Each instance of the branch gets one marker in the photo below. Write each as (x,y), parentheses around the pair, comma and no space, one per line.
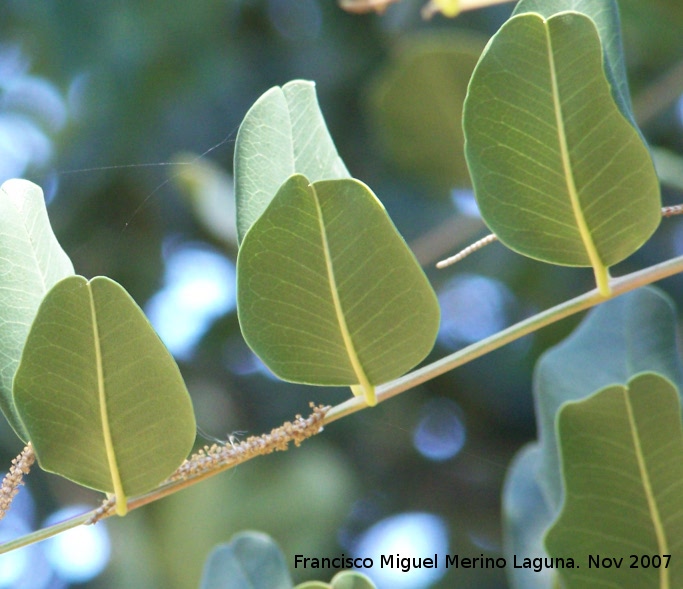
(219,458)
(619,286)
(205,463)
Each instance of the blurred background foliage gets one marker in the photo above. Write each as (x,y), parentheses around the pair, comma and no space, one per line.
(126,114)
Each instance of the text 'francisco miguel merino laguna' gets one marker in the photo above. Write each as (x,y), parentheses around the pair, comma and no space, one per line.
(406,564)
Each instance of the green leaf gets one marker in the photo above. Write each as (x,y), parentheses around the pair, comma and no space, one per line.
(328,292)
(283,133)
(100,396)
(559,173)
(31,261)
(342,580)
(616,341)
(251,560)
(351,580)
(605,16)
(416,105)
(622,457)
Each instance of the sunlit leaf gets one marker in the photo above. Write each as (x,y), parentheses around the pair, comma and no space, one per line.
(31,261)
(328,292)
(250,561)
(559,172)
(622,459)
(615,342)
(605,16)
(283,133)
(101,398)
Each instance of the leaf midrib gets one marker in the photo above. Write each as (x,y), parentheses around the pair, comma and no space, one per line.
(662,544)
(121,505)
(599,268)
(363,380)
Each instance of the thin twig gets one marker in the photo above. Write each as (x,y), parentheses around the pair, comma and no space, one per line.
(672,210)
(462,254)
(484,241)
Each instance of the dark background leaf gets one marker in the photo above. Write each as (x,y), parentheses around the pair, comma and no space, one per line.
(251,560)
(622,461)
(417,105)
(626,336)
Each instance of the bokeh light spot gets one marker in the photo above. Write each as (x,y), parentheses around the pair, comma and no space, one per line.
(440,433)
(679,110)
(465,203)
(472,308)
(200,287)
(13,565)
(25,568)
(79,554)
(30,108)
(407,535)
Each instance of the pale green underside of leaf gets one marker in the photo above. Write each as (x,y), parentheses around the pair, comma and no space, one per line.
(31,261)
(92,362)
(616,341)
(283,133)
(251,560)
(605,16)
(286,300)
(622,457)
(559,173)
